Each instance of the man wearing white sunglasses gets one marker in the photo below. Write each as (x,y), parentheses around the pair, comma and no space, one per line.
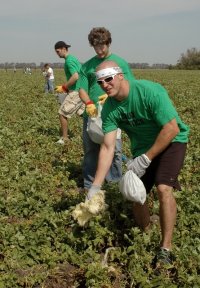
(158,139)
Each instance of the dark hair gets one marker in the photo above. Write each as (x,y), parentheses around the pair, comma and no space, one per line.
(99,35)
(61,44)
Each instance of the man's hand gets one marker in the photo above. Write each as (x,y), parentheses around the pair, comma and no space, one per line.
(92,191)
(61,88)
(84,211)
(139,165)
(91,109)
(102,98)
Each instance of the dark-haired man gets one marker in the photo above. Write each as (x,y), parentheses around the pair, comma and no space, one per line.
(72,103)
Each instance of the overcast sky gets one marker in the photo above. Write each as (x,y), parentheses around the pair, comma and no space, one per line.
(151,31)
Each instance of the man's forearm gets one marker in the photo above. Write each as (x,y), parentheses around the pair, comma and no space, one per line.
(165,137)
(72,80)
(84,96)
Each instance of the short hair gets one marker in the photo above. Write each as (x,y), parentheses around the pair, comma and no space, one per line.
(61,44)
(99,35)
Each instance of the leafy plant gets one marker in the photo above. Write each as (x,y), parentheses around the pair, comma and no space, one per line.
(40,243)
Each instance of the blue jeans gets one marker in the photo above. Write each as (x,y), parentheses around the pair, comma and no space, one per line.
(90,161)
(49,86)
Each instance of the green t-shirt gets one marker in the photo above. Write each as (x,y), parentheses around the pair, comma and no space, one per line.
(72,65)
(87,79)
(142,115)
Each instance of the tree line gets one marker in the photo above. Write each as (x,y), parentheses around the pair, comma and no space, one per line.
(23,65)
(188,60)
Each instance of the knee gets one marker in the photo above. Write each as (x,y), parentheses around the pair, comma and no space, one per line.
(165,193)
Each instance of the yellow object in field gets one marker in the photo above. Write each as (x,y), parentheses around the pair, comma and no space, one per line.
(84,211)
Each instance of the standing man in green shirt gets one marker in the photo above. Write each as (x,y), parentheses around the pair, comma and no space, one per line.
(91,93)
(158,139)
(72,103)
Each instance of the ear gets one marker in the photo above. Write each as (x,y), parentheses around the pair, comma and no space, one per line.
(121,76)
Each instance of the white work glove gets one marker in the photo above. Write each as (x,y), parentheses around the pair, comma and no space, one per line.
(83,212)
(92,191)
(139,165)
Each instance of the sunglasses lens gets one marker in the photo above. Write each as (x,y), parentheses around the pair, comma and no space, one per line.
(106,80)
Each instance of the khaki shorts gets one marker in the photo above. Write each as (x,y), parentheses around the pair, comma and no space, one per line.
(72,105)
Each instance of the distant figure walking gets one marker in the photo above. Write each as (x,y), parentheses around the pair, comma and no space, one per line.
(49,78)
(27,70)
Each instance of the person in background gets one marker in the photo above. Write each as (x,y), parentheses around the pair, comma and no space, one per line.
(49,78)
(158,140)
(91,93)
(72,104)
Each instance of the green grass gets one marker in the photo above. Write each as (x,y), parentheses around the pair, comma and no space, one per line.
(40,244)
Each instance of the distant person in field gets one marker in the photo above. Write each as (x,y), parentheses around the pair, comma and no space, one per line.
(91,93)
(49,79)
(158,140)
(72,104)
(27,70)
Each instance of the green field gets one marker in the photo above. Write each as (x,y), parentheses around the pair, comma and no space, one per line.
(41,246)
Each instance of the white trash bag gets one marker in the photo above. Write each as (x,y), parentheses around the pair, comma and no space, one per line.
(94,127)
(61,97)
(132,188)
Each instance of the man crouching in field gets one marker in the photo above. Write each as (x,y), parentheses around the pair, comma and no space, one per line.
(158,139)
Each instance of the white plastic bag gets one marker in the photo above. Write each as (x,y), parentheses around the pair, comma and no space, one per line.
(94,127)
(61,97)
(132,188)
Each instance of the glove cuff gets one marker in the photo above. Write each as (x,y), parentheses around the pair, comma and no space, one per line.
(64,87)
(89,102)
(146,158)
(98,187)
